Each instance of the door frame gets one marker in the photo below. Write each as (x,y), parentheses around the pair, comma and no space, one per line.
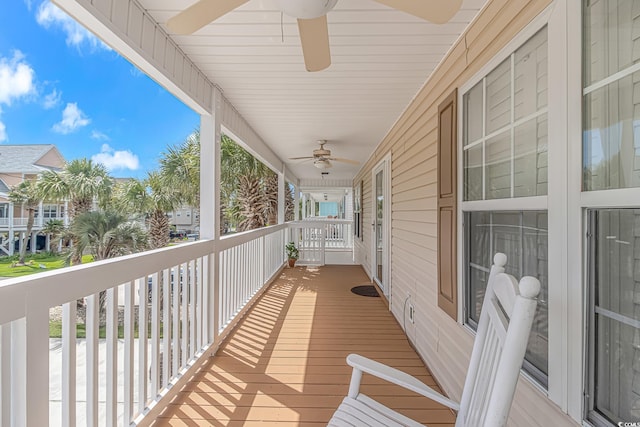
(385,166)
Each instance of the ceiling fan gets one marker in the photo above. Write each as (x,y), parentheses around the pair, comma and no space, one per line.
(312,20)
(322,157)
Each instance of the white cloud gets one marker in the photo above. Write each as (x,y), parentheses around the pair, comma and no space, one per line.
(52,99)
(113,159)
(49,15)
(16,78)
(96,134)
(3,132)
(72,119)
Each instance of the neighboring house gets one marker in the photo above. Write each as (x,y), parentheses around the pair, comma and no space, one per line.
(19,163)
(186,219)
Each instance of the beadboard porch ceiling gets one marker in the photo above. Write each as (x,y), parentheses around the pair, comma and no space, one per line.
(380,59)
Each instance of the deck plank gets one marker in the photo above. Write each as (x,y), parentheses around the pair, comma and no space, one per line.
(284,365)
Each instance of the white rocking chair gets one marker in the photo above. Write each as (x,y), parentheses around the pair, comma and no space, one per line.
(498,353)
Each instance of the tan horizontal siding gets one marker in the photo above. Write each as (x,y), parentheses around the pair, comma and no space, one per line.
(444,344)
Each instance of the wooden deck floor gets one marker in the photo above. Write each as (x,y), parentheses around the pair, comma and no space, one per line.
(285,363)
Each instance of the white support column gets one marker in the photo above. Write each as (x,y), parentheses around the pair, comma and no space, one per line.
(296,201)
(210,139)
(281,197)
(304,206)
(34,242)
(12,236)
(40,214)
(66,214)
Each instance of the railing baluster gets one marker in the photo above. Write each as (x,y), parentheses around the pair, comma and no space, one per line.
(91,330)
(175,289)
(166,327)
(143,325)
(112,358)
(184,295)
(5,374)
(129,299)
(225,259)
(18,372)
(69,364)
(199,305)
(192,308)
(155,335)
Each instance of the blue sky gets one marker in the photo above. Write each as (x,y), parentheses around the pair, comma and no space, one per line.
(60,85)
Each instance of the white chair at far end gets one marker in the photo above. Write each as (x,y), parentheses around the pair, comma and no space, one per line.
(498,352)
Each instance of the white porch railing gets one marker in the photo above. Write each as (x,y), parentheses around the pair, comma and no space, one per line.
(22,222)
(314,237)
(133,370)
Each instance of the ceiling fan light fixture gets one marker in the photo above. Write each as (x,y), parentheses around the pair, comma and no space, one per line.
(306,9)
(322,164)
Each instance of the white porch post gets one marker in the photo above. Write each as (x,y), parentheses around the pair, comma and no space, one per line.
(66,213)
(12,237)
(210,138)
(40,214)
(281,198)
(33,239)
(304,206)
(296,201)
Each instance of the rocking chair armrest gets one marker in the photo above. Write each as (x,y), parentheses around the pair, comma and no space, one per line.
(400,378)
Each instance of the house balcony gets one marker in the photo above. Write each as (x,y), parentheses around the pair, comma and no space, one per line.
(275,337)
(20,223)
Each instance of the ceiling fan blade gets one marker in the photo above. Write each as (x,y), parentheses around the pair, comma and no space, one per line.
(436,11)
(314,36)
(302,158)
(338,159)
(200,14)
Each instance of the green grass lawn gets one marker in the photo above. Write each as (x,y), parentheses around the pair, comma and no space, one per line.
(35,264)
(55,331)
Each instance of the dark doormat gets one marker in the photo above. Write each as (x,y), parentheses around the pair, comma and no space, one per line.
(365,291)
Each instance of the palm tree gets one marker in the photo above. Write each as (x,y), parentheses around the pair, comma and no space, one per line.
(56,230)
(248,187)
(153,198)
(108,234)
(289,204)
(251,201)
(29,196)
(180,169)
(80,182)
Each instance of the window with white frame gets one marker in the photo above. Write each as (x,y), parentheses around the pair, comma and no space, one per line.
(50,211)
(504,161)
(357,210)
(611,161)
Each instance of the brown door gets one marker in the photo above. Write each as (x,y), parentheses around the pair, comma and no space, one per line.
(447,209)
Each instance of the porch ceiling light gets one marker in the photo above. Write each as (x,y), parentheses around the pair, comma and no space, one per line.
(322,164)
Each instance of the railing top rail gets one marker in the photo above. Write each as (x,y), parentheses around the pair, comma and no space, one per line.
(237,239)
(318,222)
(52,288)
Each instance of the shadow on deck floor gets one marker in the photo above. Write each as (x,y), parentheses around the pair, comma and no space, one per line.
(285,363)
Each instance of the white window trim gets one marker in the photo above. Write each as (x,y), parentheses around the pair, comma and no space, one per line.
(385,165)
(566,307)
